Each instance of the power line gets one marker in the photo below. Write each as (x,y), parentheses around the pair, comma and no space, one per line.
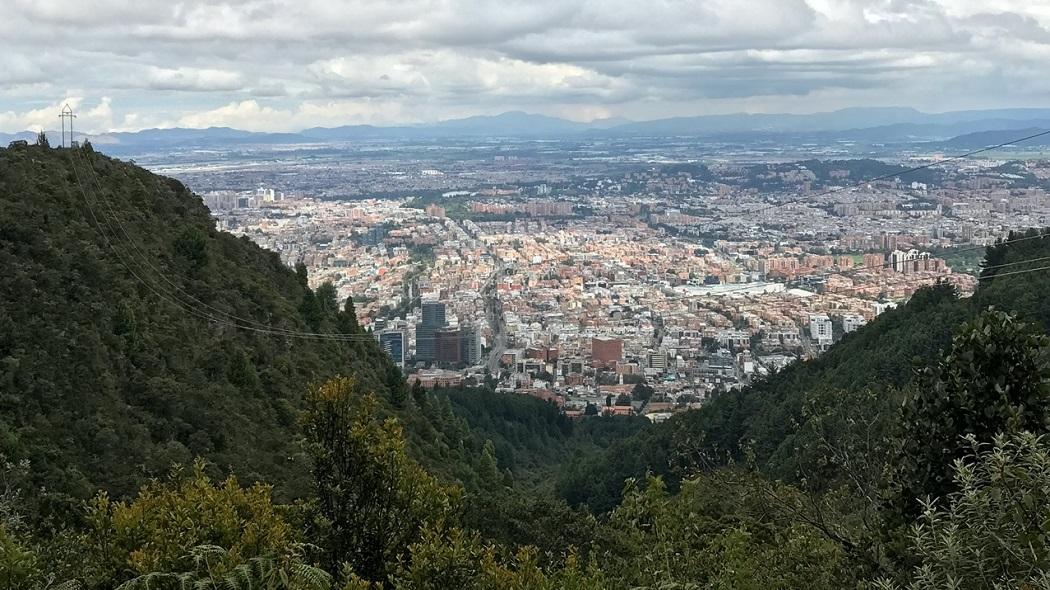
(222,317)
(1016,272)
(228,320)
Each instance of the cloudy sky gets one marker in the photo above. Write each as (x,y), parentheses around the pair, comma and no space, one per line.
(280,65)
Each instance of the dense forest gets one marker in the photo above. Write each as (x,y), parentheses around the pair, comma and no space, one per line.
(180,410)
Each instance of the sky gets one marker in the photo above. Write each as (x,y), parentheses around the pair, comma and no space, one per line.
(286,65)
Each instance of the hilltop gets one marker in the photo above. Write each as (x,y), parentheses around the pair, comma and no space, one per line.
(108,373)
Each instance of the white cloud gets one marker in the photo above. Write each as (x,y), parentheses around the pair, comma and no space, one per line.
(252,116)
(247,114)
(184,78)
(280,63)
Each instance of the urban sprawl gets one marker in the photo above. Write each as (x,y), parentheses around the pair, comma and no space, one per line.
(642,290)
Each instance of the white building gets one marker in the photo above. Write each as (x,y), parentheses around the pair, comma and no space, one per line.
(851,322)
(820,329)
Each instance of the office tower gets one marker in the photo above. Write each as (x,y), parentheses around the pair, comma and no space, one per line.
(447,347)
(470,344)
(392,342)
(606,350)
(433,313)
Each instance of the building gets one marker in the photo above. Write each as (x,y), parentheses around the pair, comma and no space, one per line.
(447,347)
(470,345)
(658,360)
(606,351)
(874,262)
(882,307)
(392,342)
(915,261)
(851,322)
(433,313)
(820,329)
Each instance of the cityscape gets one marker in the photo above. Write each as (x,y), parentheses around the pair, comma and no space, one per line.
(635,286)
(524,295)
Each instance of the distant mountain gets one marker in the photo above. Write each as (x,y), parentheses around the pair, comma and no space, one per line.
(776,123)
(854,123)
(513,123)
(6,138)
(998,136)
(877,125)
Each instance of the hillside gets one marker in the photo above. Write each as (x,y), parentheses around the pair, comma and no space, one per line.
(110,372)
(109,376)
(105,380)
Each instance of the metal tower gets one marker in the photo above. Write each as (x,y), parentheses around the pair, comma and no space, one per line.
(67,113)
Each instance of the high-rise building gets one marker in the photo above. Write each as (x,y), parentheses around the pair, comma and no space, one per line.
(392,342)
(657,360)
(434,314)
(874,262)
(914,261)
(447,347)
(851,322)
(470,344)
(433,319)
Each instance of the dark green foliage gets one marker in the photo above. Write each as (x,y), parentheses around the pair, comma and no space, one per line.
(1024,295)
(104,383)
(193,246)
(995,379)
(513,518)
(993,531)
(373,500)
(641,392)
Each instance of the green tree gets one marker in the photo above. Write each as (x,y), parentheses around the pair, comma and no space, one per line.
(373,499)
(348,323)
(419,394)
(642,392)
(718,533)
(993,530)
(458,559)
(159,532)
(996,378)
(192,245)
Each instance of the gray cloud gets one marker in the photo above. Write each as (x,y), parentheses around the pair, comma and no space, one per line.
(280,64)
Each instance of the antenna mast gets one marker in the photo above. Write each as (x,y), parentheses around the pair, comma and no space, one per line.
(67,113)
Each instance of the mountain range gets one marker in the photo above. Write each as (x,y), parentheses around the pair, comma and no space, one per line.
(876,125)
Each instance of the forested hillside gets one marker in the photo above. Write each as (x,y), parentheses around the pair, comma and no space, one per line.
(150,445)
(110,371)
